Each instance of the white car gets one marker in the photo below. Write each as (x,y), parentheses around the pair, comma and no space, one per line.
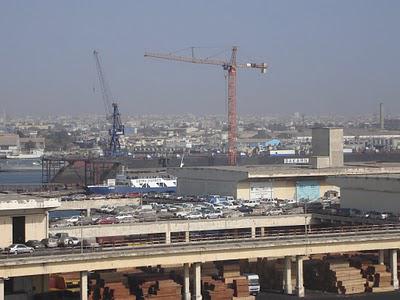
(18,248)
(72,219)
(123,216)
(213,214)
(251,203)
(182,213)
(194,215)
(274,212)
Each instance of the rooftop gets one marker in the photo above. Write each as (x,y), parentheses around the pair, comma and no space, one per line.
(14,201)
(259,171)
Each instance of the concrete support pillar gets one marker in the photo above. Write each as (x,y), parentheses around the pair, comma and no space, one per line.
(45,283)
(88,212)
(47,224)
(84,285)
(393,266)
(187,236)
(168,237)
(299,277)
(262,231)
(287,275)
(381,257)
(186,282)
(197,281)
(2,289)
(253,232)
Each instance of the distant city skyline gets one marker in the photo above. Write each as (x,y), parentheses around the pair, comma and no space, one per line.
(325,57)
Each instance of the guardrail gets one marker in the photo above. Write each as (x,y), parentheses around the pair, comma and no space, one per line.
(292,235)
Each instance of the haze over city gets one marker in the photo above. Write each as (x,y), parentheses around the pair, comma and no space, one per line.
(324,57)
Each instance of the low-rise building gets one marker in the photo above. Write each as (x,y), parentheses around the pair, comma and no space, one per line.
(24,218)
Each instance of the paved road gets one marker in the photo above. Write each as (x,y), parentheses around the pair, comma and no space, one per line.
(318,295)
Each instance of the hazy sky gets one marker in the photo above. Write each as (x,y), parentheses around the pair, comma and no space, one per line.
(324,56)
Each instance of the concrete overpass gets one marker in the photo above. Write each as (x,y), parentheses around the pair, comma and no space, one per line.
(256,225)
(380,237)
(253,224)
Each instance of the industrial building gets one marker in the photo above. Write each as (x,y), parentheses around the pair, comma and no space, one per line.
(327,147)
(24,218)
(370,192)
(268,182)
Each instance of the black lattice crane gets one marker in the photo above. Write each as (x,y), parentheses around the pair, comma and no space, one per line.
(112,112)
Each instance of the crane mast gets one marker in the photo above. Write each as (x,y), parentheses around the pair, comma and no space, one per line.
(232,111)
(231,67)
(112,112)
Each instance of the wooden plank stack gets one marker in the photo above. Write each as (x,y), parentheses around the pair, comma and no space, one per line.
(165,290)
(334,275)
(379,279)
(154,286)
(120,291)
(117,285)
(216,289)
(241,288)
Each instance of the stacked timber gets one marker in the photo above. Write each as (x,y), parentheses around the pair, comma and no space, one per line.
(334,275)
(379,279)
(209,269)
(241,288)
(114,285)
(216,289)
(119,291)
(225,283)
(154,286)
(231,270)
(165,290)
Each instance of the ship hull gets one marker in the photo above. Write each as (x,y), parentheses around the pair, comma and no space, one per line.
(105,190)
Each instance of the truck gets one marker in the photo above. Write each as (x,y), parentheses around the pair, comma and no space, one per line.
(254,283)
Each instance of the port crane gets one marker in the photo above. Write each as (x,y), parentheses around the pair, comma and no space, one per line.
(112,112)
(230,67)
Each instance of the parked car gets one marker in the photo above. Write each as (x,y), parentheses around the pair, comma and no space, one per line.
(274,212)
(18,248)
(84,221)
(35,244)
(245,209)
(73,219)
(50,242)
(251,203)
(75,241)
(212,214)
(121,217)
(60,235)
(181,214)
(194,215)
(107,220)
(65,241)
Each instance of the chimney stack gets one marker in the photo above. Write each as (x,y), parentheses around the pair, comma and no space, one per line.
(381,117)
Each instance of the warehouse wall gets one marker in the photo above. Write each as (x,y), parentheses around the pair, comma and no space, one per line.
(370,200)
(6,231)
(35,227)
(243,190)
(192,186)
(203,181)
(325,186)
(284,189)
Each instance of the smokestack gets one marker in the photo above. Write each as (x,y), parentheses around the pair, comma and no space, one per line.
(381,116)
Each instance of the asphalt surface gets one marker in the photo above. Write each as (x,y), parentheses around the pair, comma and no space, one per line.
(327,296)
